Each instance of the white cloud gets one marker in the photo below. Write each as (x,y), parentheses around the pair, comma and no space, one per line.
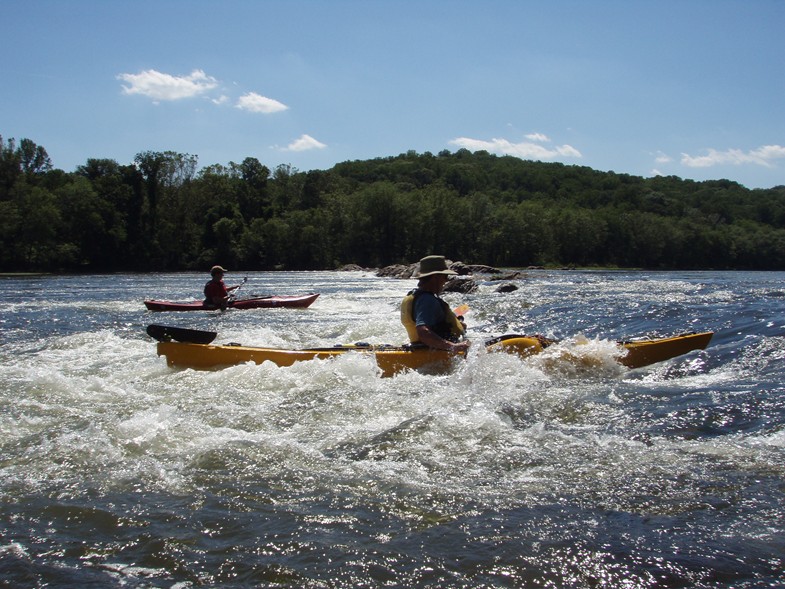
(304,143)
(763,156)
(160,86)
(538,137)
(254,102)
(662,158)
(526,150)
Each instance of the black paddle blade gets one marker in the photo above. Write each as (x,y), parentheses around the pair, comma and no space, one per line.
(164,333)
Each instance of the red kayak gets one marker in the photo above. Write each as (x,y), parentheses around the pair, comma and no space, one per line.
(293,301)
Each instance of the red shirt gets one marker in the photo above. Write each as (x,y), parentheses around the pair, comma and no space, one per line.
(215,289)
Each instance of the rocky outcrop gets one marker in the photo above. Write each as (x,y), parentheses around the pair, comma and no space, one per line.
(398,271)
(410,270)
(466,269)
(461,285)
(351,268)
(464,283)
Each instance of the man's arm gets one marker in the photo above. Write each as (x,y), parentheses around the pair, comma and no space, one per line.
(430,339)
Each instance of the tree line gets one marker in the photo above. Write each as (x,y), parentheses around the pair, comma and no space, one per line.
(163,213)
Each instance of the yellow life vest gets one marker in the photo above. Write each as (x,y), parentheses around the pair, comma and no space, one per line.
(450,329)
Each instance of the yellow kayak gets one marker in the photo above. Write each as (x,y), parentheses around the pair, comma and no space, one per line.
(390,359)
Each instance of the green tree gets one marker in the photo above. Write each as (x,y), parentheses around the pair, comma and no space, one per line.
(38,231)
(33,158)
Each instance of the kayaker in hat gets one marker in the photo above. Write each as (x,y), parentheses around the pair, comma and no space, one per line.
(216,293)
(427,318)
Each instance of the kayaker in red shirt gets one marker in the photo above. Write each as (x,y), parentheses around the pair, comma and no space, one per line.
(216,293)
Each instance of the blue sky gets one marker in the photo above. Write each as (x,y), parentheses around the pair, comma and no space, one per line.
(692,88)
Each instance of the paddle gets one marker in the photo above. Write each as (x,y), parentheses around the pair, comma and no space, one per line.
(463,308)
(233,296)
(164,333)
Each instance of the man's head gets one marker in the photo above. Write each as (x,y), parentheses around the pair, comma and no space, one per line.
(431,265)
(433,273)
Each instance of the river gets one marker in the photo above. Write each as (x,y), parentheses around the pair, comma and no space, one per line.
(556,471)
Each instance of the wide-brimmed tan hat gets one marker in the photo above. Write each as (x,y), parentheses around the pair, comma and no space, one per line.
(216,269)
(431,265)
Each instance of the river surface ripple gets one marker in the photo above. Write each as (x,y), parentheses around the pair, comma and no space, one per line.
(561,470)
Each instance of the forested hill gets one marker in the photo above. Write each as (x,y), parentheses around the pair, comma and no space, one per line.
(161,212)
